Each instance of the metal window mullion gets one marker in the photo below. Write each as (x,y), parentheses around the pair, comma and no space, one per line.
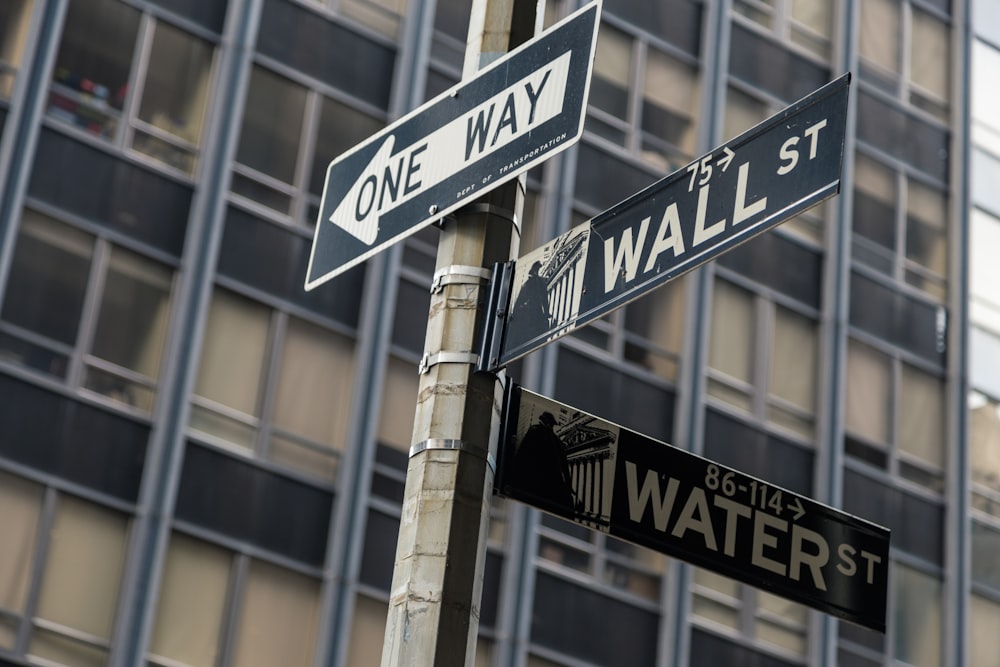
(233,607)
(267,391)
(137,79)
(90,312)
(307,148)
(46,521)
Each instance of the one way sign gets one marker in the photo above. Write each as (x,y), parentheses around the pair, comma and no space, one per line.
(519,111)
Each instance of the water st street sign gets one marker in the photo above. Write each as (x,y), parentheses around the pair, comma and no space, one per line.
(517,112)
(768,174)
(617,481)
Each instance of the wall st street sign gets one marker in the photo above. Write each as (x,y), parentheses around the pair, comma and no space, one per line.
(517,112)
(768,174)
(620,482)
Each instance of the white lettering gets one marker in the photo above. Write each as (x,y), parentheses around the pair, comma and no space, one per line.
(741,211)
(787,153)
(668,237)
(703,524)
(871,559)
(762,539)
(650,490)
(626,252)
(814,561)
(847,566)
(701,234)
(813,134)
(733,510)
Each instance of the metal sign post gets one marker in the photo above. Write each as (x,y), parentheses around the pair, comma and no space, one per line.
(617,481)
(433,617)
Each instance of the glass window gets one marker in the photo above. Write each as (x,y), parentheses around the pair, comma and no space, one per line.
(313,398)
(654,329)
(229,375)
(383,15)
(192,602)
(921,417)
(731,341)
(54,267)
(341,127)
(15,16)
(279,619)
(79,593)
(793,371)
(917,617)
(985,452)
(868,391)
(399,403)
(367,631)
(174,97)
(930,62)
(879,39)
(806,23)
(984,640)
(985,546)
(131,329)
(20,505)
(984,270)
(269,141)
(985,95)
(659,124)
(48,280)
(97,88)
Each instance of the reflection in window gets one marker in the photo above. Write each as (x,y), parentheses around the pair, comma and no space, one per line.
(20,506)
(297,420)
(15,17)
(787,375)
(985,95)
(984,452)
(806,23)
(54,267)
(79,592)
(211,598)
(917,617)
(660,125)
(96,86)
(383,15)
(984,640)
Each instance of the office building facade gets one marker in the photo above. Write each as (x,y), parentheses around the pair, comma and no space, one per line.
(202,464)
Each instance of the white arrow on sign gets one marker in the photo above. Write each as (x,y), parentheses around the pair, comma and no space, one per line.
(391,179)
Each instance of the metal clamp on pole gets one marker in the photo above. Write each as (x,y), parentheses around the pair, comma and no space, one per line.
(446,357)
(495,322)
(496,211)
(459,275)
(448,443)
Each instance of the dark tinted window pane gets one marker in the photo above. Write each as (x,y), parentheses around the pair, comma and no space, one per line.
(761,62)
(679,21)
(111,192)
(409,327)
(602,180)
(874,219)
(737,445)
(780,263)
(592,386)
(591,626)
(912,324)
(209,13)
(378,555)
(985,550)
(274,259)
(48,280)
(708,650)
(234,497)
(917,524)
(78,442)
(327,51)
(912,140)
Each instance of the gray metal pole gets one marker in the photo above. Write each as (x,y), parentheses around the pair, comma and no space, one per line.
(433,617)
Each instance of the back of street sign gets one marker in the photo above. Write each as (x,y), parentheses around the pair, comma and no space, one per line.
(768,174)
(582,468)
(517,112)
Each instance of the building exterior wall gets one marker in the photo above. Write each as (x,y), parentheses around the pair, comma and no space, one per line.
(203,464)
